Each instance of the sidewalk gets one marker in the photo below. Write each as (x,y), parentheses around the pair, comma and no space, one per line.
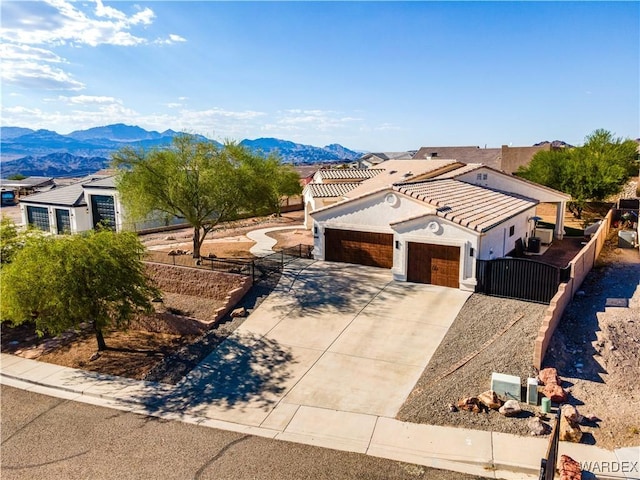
(219,393)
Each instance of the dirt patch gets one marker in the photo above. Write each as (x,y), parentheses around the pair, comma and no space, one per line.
(595,347)
(291,238)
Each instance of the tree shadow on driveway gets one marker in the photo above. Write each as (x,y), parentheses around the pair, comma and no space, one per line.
(325,287)
(243,369)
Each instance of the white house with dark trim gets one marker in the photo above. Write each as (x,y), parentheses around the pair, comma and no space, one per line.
(75,208)
(433,230)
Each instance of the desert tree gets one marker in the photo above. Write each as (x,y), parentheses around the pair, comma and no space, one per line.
(198,181)
(60,282)
(592,172)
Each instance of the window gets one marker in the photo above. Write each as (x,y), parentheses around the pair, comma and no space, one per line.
(512,230)
(484,176)
(103,211)
(62,221)
(471,252)
(479,176)
(38,217)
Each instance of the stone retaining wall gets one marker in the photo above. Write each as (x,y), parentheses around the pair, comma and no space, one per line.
(581,265)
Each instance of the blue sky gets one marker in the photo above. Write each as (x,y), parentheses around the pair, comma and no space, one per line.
(378,76)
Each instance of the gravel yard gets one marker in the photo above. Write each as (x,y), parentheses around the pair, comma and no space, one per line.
(479,320)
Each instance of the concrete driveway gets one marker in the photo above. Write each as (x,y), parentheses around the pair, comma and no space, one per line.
(337,337)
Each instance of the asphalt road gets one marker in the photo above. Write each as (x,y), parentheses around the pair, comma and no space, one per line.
(50,438)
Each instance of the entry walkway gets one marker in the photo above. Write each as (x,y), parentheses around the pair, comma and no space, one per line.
(327,359)
(264,244)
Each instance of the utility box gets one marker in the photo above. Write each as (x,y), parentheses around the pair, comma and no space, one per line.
(532,391)
(507,386)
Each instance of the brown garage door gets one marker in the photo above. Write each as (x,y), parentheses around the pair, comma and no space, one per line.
(363,248)
(434,264)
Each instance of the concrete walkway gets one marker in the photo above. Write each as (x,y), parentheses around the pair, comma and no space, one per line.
(327,359)
(264,244)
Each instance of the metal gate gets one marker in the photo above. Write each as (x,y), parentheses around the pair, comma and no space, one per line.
(520,278)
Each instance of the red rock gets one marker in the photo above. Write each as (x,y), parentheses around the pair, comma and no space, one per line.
(569,469)
(549,375)
(471,404)
(555,393)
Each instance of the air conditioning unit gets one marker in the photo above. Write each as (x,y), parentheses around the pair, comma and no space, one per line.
(545,235)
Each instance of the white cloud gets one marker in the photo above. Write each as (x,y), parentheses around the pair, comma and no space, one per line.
(297,119)
(31,32)
(89,100)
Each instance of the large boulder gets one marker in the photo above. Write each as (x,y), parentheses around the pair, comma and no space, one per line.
(511,408)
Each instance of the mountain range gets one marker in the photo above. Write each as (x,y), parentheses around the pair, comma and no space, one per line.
(47,153)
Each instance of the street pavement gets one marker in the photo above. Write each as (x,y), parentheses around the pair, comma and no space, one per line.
(51,438)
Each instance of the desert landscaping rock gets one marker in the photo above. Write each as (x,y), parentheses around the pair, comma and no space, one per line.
(537,427)
(549,375)
(239,312)
(490,399)
(555,393)
(511,408)
(569,468)
(569,429)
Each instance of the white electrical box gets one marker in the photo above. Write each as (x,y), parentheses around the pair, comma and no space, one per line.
(506,386)
(532,391)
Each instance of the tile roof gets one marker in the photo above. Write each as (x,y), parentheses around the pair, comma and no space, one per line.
(323,190)
(473,154)
(472,206)
(348,173)
(396,171)
(469,167)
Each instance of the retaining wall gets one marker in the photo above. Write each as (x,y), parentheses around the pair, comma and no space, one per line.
(581,265)
(227,288)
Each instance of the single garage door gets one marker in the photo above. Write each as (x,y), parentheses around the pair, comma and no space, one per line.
(363,248)
(434,264)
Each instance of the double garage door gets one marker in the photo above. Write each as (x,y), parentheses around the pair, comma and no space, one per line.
(363,248)
(427,263)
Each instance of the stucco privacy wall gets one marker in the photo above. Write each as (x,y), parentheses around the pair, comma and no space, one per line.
(581,265)
(227,288)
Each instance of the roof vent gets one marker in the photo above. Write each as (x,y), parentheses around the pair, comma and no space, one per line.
(408,174)
(392,172)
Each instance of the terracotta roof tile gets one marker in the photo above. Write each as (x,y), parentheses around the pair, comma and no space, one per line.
(472,206)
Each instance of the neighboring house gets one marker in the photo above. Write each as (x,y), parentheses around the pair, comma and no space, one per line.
(369,160)
(74,208)
(433,230)
(506,158)
(492,157)
(330,186)
(28,186)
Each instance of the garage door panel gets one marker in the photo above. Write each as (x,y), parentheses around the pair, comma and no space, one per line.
(362,248)
(433,264)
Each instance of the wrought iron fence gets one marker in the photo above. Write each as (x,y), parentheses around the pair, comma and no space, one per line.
(520,278)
